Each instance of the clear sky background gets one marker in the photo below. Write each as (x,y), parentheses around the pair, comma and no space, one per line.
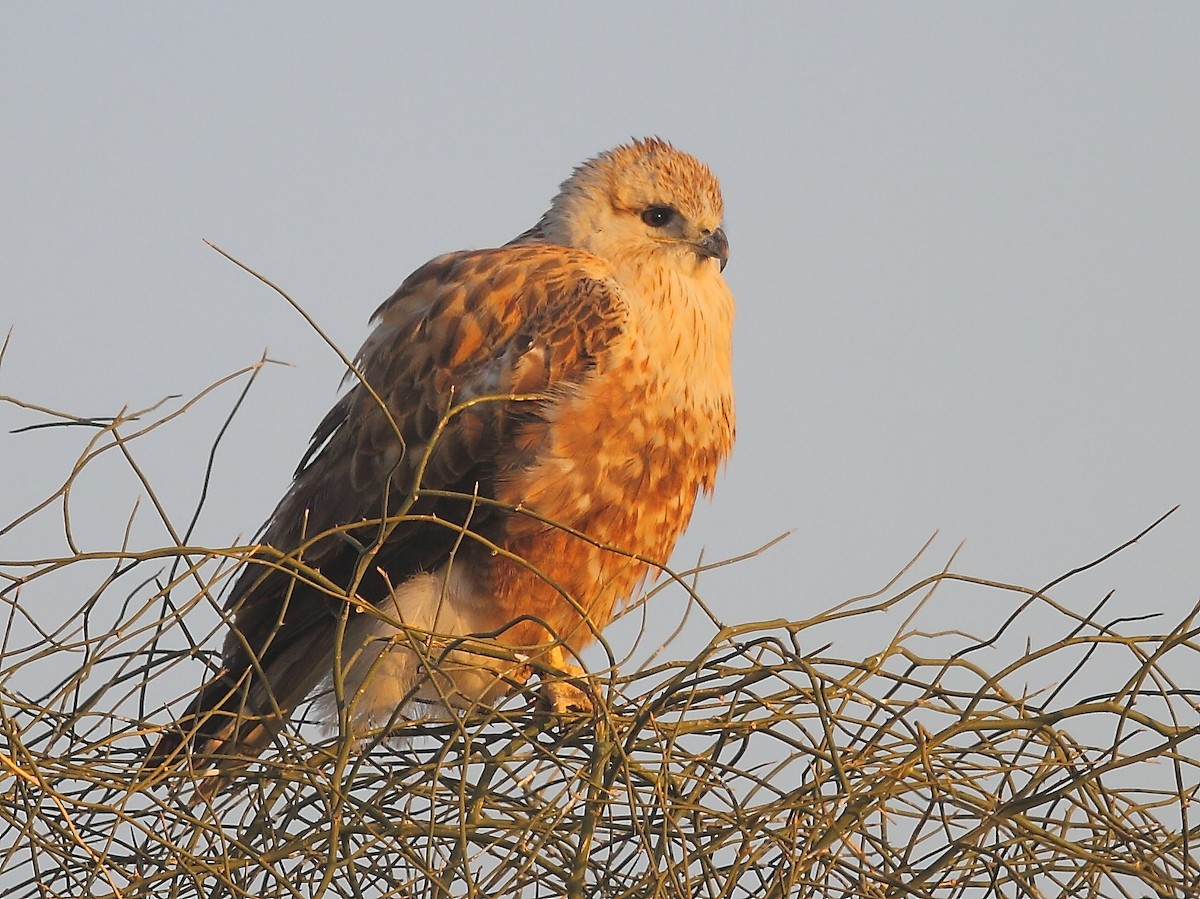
(964,246)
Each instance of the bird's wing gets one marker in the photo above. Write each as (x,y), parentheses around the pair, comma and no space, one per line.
(455,356)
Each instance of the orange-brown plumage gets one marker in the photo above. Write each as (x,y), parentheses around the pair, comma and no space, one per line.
(553,408)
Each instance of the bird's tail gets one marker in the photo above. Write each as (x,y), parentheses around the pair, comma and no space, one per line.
(231,721)
(219,735)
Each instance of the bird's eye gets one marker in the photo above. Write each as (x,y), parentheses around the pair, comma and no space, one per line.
(659,216)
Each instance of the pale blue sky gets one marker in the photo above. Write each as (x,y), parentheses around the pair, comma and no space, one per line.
(964,245)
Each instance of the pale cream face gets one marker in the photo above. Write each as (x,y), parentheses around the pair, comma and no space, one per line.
(646,203)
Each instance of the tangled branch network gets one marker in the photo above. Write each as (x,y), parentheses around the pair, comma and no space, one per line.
(752,761)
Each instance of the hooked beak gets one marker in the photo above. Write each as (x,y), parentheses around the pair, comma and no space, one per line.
(715,246)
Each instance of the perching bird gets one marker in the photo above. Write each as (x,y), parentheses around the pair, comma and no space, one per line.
(524,441)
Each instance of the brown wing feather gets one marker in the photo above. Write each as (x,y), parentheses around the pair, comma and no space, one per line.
(515,320)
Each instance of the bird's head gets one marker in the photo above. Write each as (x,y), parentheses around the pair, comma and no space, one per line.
(642,202)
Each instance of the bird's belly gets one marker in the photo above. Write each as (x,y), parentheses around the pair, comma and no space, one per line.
(618,472)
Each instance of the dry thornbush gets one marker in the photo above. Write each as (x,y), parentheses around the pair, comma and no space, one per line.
(762,765)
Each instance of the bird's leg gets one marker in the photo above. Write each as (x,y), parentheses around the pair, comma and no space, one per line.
(558,696)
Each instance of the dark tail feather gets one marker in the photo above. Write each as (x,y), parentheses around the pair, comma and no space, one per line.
(220,734)
(232,720)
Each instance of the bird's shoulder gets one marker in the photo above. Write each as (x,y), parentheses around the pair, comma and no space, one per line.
(469,330)
(459,301)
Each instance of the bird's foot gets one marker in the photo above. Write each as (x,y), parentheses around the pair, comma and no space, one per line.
(559,695)
(562,699)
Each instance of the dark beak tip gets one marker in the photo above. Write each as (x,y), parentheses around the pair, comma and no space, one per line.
(716,245)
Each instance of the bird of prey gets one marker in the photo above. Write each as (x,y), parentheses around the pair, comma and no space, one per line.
(524,440)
